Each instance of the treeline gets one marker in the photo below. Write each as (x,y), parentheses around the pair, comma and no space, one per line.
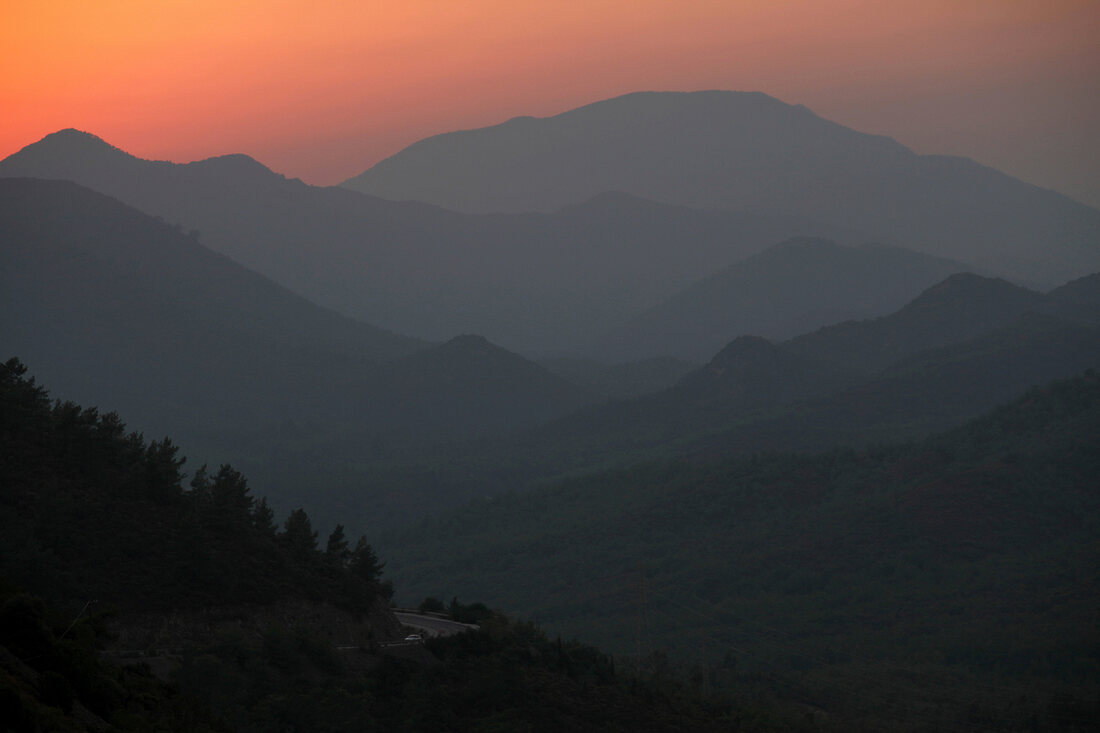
(92,512)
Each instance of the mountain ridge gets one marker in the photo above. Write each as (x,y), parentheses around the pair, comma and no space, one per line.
(749,152)
(790,288)
(115,307)
(537,283)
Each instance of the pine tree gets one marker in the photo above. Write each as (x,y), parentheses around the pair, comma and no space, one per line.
(298,533)
(337,547)
(230,497)
(263,518)
(365,564)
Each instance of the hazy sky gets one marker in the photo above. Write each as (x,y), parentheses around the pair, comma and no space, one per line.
(322,89)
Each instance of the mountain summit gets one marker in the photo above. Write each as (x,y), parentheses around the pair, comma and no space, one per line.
(82,157)
(749,152)
(697,149)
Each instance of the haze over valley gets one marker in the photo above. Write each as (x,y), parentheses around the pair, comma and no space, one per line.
(668,410)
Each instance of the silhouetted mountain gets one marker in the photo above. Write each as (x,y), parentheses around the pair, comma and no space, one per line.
(960,308)
(115,307)
(534,282)
(749,152)
(789,289)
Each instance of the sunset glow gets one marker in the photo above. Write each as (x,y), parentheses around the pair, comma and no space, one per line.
(322,90)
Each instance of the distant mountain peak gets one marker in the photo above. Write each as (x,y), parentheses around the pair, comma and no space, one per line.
(677,99)
(747,152)
(742,348)
(473,345)
(235,163)
(797,245)
(1083,290)
(68,153)
(470,341)
(965,280)
(967,286)
(71,133)
(71,136)
(63,146)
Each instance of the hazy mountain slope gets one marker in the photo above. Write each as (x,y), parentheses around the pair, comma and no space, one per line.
(791,288)
(879,582)
(623,380)
(1084,290)
(750,152)
(930,391)
(1078,300)
(748,378)
(959,308)
(469,385)
(755,396)
(111,305)
(536,282)
(115,307)
(958,349)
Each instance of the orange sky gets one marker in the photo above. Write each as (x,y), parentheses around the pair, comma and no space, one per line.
(322,89)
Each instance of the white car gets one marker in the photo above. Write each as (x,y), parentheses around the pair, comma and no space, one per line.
(417,638)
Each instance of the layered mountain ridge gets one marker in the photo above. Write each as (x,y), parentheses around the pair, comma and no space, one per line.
(115,307)
(791,288)
(537,283)
(746,151)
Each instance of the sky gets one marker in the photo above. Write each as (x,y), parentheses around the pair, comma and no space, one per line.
(323,89)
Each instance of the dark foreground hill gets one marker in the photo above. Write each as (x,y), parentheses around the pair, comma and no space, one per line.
(752,153)
(952,580)
(247,627)
(532,282)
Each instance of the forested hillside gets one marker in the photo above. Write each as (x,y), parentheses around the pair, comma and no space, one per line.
(92,511)
(949,582)
(133,599)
